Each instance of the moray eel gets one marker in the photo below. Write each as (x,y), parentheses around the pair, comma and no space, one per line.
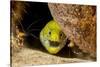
(52,37)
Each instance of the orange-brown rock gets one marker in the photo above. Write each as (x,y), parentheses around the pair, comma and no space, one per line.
(18,10)
(78,22)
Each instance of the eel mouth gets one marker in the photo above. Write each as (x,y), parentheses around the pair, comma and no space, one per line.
(54,43)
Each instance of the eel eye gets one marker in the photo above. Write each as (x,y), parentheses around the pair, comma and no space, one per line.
(61,34)
(49,32)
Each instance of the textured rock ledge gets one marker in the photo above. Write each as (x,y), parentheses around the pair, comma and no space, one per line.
(78,22)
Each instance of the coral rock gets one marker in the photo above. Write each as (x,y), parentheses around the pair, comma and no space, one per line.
(78,22)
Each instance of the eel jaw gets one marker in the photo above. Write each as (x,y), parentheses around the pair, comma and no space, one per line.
(53,47)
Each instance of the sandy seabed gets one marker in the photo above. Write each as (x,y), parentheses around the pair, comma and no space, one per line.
(29,57)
